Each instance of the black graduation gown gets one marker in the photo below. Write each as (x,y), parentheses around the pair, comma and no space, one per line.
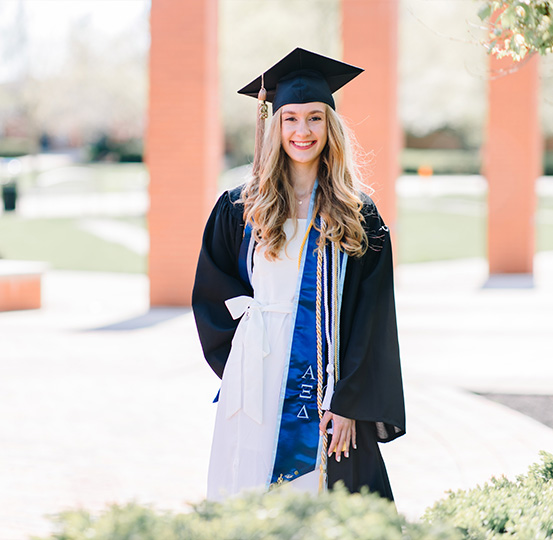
(370,386)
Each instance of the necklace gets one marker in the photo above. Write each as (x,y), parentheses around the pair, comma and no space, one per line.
(303,197)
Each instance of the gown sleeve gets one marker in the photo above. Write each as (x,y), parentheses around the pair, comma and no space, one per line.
(370,384)
(218,279)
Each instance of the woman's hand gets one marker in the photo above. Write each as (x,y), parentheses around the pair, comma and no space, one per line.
(343,434)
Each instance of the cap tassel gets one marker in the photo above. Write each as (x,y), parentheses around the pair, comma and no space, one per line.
(262,113)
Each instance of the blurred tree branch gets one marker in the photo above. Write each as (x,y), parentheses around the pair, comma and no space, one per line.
(518,28)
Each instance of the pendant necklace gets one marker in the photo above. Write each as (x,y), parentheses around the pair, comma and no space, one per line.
(303,197)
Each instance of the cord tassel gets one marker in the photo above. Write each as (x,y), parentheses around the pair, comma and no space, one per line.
(262,113)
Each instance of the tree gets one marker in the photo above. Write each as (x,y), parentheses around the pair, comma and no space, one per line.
(518,27)
(86,82)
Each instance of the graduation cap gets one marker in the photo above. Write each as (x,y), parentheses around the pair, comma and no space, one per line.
(300,77)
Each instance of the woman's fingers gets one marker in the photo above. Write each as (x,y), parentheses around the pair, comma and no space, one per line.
(343,441)
(327,417)
(342,432)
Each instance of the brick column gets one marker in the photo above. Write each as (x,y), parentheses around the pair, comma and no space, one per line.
(184,145)
(513,162)
(370,39)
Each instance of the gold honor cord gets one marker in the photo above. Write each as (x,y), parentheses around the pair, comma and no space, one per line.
(304,241)
(322,475)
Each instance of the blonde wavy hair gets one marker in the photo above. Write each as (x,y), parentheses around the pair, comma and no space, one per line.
(269,199)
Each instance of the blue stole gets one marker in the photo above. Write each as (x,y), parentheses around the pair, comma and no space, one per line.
(297,448)
(298,442)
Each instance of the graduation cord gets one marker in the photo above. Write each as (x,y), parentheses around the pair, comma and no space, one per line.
(331,320)
(304,241)
(328,260)
(322,475)
(335,310)
(332,338)
(325,292)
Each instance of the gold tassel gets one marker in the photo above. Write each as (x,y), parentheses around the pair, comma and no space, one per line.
(262,113)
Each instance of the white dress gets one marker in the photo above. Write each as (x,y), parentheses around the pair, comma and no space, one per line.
(243,446)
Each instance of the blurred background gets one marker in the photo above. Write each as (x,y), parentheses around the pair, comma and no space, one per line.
(73,97)
(105,399)
(73,91)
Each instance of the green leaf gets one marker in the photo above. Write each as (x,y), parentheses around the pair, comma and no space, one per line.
(485,12)
(509,17)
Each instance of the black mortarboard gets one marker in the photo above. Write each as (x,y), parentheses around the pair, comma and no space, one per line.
(302,77)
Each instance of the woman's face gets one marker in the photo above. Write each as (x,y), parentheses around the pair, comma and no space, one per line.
(303,131)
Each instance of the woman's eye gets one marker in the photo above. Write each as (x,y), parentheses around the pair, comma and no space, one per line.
(315,118)
(290,119)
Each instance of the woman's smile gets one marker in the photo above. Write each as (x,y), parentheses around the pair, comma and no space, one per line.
(303,145)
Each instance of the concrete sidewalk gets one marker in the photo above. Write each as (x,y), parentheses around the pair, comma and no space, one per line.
(105,400)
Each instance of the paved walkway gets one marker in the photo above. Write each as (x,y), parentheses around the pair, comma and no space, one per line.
(103,400)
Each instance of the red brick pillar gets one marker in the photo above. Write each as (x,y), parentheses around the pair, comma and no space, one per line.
(513,162)
(183,150)
(370,39)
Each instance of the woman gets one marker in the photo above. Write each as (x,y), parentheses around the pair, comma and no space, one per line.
(294,303)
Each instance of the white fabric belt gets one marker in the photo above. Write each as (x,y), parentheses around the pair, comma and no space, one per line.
(250,345)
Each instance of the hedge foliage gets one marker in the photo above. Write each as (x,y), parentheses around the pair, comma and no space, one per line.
(521,509)
(278,515)
(501,509)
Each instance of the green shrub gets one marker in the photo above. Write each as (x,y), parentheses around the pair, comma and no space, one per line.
(522,509)
(548,163)
(278,515)
(105,148)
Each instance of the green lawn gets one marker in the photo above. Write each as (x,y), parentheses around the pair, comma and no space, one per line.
(64,245)
(454,226)
(61,242)
(429,235)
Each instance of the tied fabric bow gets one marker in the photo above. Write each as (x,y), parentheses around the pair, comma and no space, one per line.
(250,346)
